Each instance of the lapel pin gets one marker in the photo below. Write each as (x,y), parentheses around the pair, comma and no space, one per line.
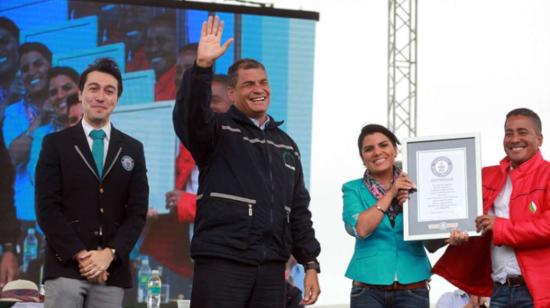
(127,163)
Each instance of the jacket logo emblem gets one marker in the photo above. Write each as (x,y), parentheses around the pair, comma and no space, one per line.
(127,163)
(532,207)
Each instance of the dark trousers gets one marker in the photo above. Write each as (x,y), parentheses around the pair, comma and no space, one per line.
(220,283)
(511,297)
(374,298)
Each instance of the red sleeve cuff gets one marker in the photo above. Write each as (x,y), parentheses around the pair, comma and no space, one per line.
(187,207)
(499,228)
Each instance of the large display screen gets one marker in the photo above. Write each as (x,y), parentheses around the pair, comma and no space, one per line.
(46,44)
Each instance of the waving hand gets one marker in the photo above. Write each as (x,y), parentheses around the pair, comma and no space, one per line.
(210,47)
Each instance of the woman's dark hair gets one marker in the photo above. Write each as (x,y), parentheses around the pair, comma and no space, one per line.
(63,70)
(375,128)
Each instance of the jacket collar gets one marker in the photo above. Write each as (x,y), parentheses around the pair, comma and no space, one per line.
(524,169)
(83,148)
(239,116)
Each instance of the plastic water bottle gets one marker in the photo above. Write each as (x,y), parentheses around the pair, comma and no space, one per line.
(153,290)
(30,248)
(144,273)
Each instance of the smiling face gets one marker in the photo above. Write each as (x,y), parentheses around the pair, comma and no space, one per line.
(8,52)
(378,154)
(99,98)
(34,71)
(251,93)
(521,139)
(60,87)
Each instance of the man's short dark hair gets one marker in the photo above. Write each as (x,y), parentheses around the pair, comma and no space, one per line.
(38,47)
(245,64)
(376,128)
(527,113)
(63,70)
(10,26)
(72,100)
(221,78)
(104,65)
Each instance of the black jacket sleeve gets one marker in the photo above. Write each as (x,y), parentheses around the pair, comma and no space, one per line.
(195,124)
(61,237)
(9,225)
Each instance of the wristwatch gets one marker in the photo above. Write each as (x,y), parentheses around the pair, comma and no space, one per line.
(314,265)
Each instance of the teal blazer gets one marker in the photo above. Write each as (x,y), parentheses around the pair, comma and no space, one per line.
(383,256)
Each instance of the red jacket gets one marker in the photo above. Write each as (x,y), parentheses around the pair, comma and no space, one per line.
(527,231)
(187,204)
(165,87)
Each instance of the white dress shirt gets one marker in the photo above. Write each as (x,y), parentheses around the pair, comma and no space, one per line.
(106,128)
(503,258)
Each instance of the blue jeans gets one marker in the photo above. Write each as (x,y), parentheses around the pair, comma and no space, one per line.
(511,297)
(376,298)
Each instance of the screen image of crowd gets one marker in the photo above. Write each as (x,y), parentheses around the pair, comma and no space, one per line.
(45,45)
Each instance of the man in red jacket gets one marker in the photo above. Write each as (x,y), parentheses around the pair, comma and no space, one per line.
(512,259)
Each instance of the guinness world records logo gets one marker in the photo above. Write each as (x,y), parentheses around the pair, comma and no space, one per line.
(441,166)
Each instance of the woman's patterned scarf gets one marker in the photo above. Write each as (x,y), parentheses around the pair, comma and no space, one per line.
(378,192)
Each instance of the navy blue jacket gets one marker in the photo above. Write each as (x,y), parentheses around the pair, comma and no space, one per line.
(252,203)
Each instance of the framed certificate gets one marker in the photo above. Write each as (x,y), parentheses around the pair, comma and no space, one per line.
(447,173)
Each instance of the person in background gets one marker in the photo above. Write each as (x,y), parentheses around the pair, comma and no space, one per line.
(161,50)
(74,110)
(62,82)
(186,58)
(20,121)
(386,271)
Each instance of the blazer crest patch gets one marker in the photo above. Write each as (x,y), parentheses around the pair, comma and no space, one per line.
(127,163)
(532,207)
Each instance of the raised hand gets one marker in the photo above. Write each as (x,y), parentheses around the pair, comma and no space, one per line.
(210,47)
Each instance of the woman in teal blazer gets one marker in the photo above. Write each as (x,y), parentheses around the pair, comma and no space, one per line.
(386,271)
